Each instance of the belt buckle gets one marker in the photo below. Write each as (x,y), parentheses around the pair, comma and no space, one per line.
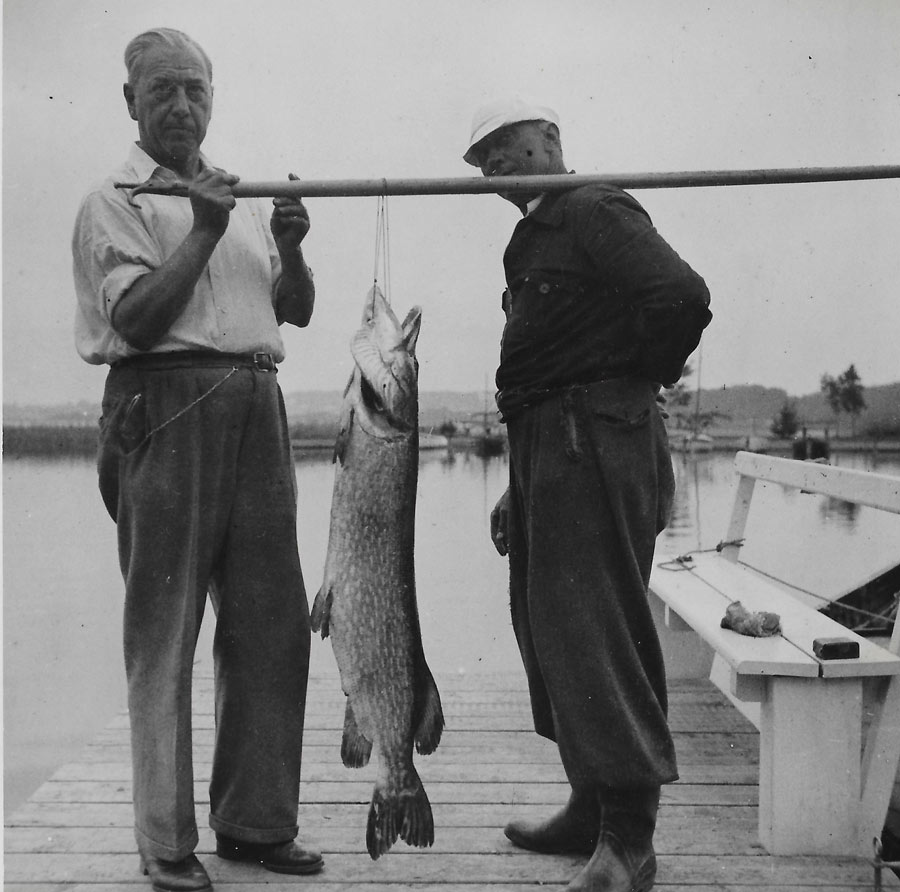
(264,362)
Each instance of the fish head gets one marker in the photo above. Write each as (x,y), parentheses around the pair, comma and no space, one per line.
(387,371)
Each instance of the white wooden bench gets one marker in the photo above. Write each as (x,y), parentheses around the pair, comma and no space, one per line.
(825,772)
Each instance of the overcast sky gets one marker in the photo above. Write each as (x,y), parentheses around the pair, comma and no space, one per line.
(805,279)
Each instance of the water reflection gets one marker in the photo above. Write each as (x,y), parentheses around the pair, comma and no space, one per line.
(845,512)
(685,505)
(692,520)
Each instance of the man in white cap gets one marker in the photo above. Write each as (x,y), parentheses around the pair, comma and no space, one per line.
(600,311)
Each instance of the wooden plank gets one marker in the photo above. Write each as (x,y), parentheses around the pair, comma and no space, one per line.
(414,867)
(716,768)
(702,605)
(359,792)
(494,730)
(701,748)
(682,830)
(59,813)
(880,491)
(43,887)
(800,625)
(273,884)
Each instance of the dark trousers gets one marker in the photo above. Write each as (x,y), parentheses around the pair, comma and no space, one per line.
(591,488)
(195,467)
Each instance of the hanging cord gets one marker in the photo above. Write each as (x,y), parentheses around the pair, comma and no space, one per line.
(683,561)
(382,246)
(825,601)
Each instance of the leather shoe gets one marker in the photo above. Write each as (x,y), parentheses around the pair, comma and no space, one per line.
(572,830)
(186,875)
(616,867)
(279,857)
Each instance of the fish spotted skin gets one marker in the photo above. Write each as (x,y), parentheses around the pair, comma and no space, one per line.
(367,603)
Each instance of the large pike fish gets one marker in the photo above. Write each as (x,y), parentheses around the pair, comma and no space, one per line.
(367,603)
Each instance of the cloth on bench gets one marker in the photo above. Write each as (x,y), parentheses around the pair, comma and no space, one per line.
(755,623)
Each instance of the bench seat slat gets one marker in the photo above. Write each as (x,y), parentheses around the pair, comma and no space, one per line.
(800,625)
(702,607)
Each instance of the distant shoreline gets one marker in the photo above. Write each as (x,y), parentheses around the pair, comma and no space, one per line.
(78,440)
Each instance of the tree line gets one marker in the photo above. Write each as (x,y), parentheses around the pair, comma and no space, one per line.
(844,394)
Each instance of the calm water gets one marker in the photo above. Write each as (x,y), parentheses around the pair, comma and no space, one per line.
(63,670)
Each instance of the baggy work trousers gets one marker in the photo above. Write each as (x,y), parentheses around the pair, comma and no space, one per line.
(591,488)
(204,498)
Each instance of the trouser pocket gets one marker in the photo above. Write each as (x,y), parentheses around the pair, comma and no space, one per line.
(123,429)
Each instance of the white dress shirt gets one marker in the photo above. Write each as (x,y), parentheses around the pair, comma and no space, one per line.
(118,239)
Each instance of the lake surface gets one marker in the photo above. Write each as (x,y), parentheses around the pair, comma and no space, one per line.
(63,667)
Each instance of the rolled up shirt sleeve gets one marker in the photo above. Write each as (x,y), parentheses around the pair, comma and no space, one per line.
(119,237)
(111,250)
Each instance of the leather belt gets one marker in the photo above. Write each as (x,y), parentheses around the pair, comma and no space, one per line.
(178,359)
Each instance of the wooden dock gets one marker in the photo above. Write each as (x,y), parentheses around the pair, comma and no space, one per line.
(75,831)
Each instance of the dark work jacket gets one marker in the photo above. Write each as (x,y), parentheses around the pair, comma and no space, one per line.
(593,292)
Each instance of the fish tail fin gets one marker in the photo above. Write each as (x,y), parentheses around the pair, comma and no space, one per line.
(355,746)
(404,812)
(320,617)
(429,713)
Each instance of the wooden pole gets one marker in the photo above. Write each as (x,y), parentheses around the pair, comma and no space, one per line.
(550,183)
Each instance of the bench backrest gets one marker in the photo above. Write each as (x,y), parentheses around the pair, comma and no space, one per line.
(860,487)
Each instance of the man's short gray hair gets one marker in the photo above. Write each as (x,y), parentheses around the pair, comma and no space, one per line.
(157,37)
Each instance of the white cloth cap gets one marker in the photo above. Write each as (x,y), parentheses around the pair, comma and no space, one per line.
(500,113)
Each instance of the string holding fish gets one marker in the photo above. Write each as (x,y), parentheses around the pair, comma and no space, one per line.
(382,248)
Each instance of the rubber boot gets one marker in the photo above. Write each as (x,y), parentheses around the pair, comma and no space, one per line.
(572,830)
(623,860)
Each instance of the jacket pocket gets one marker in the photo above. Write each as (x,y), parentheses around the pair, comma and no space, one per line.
(622,403)
(539,299)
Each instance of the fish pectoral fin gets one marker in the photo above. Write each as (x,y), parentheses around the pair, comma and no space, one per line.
(402,811)
(355,746)
(320,618)
(343,437)
(429,716)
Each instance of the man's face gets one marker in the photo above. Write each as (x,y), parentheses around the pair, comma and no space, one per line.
(172,104)
(515,150)
(522,149)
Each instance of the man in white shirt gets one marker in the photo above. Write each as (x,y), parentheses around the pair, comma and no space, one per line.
(183,300)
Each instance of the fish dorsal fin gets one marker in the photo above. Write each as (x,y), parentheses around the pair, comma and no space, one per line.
(411,325)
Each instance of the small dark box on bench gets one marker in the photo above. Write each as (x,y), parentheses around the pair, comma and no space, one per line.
(836,649)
